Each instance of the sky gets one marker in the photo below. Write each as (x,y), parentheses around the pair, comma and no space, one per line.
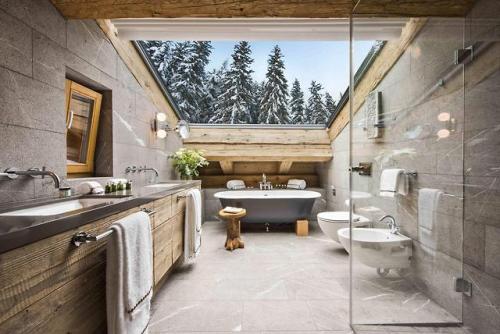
(325,62)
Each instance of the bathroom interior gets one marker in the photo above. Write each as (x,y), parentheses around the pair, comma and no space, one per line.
(381,219)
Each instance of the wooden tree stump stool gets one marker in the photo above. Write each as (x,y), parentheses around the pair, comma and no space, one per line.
(233,239)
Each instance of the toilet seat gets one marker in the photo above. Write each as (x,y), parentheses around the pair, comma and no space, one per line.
(337,216)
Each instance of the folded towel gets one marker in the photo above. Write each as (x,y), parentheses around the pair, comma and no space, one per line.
(296,184)
(235,184)
(393,181)
(230,209)
(89,187)
(129,275)
(192,225)
(428,201)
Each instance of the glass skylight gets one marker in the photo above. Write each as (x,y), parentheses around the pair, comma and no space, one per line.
(258,82)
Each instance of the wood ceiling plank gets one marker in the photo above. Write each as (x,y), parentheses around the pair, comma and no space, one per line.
(205,135)
(264,152)
(108,9)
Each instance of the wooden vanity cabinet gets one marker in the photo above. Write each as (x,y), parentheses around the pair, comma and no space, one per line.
(50,286)
(162,238)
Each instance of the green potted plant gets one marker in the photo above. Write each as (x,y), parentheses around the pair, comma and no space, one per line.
(186,162)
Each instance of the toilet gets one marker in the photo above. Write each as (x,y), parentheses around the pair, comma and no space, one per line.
(332,221)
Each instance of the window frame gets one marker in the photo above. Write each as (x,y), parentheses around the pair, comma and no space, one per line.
(86,168)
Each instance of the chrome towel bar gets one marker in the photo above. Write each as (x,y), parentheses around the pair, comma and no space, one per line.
(80,238)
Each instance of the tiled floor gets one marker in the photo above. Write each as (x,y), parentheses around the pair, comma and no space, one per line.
(280,283)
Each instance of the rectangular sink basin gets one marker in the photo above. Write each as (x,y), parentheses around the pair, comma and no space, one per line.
(58,208)
(163,185)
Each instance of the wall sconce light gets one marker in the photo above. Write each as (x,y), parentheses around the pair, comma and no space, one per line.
(161,128)
(450,125)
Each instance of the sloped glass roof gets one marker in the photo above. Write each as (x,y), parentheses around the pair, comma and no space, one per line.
(259,82)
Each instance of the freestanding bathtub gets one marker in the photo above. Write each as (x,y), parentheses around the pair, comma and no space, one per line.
(270,206)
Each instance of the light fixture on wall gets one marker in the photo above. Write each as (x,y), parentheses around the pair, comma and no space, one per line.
(450,125)
(161,128)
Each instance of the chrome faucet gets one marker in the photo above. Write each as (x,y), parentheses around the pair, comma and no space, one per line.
(140,169)
(393,226)
(13,173)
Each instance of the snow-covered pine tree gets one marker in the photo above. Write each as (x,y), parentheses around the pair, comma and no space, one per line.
(315,111)
(296,104)
(257,90)
(160,52)
(329,104)
(235,103)
(187,85)
(273,106)
(214,86)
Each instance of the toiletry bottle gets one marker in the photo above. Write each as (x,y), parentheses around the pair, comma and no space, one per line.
(107,189)
(113,187)
(128,186)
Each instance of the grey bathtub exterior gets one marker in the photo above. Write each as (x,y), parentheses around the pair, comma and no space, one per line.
(272,209)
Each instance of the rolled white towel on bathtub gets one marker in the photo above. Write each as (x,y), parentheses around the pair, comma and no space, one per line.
(235,184)
(90,187)
(296,184)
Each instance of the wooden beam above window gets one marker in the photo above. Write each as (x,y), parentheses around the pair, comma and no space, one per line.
(264,152)
(107,9)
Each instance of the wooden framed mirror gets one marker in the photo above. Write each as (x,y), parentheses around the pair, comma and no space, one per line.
(83,106)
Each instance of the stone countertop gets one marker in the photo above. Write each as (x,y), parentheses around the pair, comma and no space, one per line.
(17,231)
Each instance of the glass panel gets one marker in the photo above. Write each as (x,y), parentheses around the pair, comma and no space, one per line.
(406,134)
(79,122)
(481,165)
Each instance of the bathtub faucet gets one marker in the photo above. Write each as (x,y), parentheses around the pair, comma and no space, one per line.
(393,226)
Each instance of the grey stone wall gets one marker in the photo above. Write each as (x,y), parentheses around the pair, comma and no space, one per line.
(38,49)
(463,165)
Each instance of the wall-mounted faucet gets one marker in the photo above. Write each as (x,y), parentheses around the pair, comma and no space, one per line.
(143,169)
(393,226)
(133,169)
(13,173)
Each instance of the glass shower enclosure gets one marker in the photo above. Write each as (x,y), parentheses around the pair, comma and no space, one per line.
(407,167)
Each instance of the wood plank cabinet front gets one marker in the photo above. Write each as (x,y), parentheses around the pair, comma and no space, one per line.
(51,286)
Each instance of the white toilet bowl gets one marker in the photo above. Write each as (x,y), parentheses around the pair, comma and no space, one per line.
(332,221)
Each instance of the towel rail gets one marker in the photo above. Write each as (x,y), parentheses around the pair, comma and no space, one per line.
(80,238)
(180,197)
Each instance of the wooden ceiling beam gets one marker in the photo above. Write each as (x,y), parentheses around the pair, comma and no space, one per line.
(264,152)
(232,135)
(110,9)
(285,166)
(227,166)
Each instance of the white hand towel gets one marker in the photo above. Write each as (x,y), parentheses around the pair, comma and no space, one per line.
(89,187)
(129,275)
(235,184)
(393,181)
(296,184)
(192,225)
(428,201)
